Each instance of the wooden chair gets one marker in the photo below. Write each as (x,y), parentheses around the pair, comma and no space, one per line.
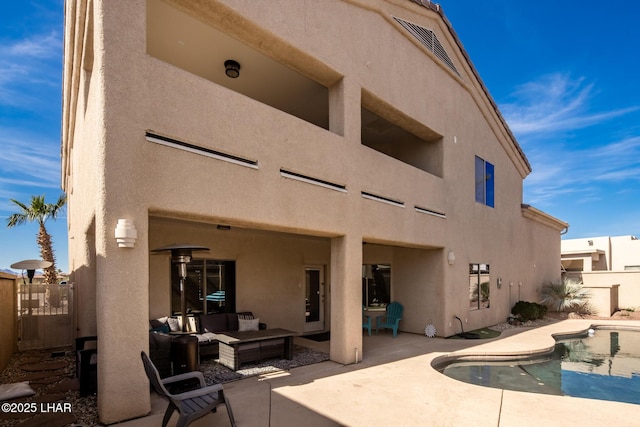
(190,405)
(366,321)
(391,320)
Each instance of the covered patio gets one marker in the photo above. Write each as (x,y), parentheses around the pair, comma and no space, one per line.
(294,280)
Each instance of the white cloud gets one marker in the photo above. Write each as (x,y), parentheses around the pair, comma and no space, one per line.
(28,66)
(555,120)
(578,175)
(555,102)
(38,46)
(28,160)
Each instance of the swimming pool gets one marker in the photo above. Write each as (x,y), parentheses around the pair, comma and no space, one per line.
(604,365)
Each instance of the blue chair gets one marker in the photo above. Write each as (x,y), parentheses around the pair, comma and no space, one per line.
(366,320)
(391,319)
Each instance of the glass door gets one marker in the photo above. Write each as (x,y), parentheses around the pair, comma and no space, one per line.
(314,299)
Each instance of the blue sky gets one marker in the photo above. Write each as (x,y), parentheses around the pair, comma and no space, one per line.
(564,75)
(31,37)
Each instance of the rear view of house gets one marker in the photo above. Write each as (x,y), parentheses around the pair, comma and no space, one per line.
(329,154)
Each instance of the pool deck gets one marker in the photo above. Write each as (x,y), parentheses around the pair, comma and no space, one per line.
(395,385)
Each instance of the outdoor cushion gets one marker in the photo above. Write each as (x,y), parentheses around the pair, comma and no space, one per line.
(214,322)
(232,322)
(248,324)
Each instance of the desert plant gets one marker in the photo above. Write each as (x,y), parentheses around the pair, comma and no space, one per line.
(526,311)
(565,295)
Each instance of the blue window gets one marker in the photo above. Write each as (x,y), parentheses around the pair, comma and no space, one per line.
(485,193)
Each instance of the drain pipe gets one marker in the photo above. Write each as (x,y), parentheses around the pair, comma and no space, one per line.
(356,354)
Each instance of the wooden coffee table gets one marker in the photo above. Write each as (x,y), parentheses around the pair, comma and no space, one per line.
(240,347)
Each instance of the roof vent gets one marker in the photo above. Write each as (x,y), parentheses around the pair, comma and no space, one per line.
(429,40)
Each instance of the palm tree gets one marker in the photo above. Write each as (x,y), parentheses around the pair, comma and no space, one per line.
(40,211)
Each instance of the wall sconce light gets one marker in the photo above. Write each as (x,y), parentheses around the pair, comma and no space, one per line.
(231,68)
(126,233)
(451,258)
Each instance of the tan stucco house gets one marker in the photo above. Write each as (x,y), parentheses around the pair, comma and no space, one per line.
(347,154)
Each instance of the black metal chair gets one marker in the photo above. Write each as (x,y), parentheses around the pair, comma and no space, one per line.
(190,405)
(87,365)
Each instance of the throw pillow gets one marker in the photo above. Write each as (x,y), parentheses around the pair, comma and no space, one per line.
(164,329)
(157,323)
(248,324)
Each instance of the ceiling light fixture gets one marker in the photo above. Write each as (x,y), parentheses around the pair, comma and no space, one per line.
(231,68)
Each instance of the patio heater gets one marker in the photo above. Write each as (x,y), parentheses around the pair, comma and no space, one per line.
(31,265)
(181,255)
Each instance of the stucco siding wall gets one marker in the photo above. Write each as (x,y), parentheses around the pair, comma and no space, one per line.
(629,281)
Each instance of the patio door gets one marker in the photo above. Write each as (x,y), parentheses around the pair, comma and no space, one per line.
(314,298)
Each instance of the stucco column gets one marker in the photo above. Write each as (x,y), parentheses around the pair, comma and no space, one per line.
(346,299)
(344,109)
(122,320)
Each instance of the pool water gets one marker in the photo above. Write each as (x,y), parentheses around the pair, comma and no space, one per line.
(603,366)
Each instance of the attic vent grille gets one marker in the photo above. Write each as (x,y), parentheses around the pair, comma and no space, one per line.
(429,40)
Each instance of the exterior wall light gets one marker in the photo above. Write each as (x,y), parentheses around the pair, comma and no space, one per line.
(126,233)
(451,258)
(231,68)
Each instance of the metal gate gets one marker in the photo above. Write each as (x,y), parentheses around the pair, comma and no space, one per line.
(45,314)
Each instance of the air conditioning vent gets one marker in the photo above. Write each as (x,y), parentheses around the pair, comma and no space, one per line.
(429,40)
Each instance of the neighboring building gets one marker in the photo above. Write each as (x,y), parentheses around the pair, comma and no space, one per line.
(357,159)
(619,253)
(610,266)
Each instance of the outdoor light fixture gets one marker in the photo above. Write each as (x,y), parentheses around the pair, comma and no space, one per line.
(181,255)
(126,233)
(451,258)
(31,265)
(231,68)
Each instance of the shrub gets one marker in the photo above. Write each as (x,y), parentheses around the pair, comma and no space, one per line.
(565,295)
(526,311)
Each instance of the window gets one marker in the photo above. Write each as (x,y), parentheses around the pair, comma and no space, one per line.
(376,285)
(484,182)
(210,287)
(479,286)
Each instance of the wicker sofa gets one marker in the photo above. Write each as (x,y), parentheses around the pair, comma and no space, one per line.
(218,323)
(204,326)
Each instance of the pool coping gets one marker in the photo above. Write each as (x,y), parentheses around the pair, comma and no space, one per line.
(466,355)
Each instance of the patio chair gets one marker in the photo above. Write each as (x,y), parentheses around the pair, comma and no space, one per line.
(87,364)
(391,319)
(190,405)
(366,321)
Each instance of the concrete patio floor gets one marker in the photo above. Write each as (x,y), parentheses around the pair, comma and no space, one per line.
(395,385)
